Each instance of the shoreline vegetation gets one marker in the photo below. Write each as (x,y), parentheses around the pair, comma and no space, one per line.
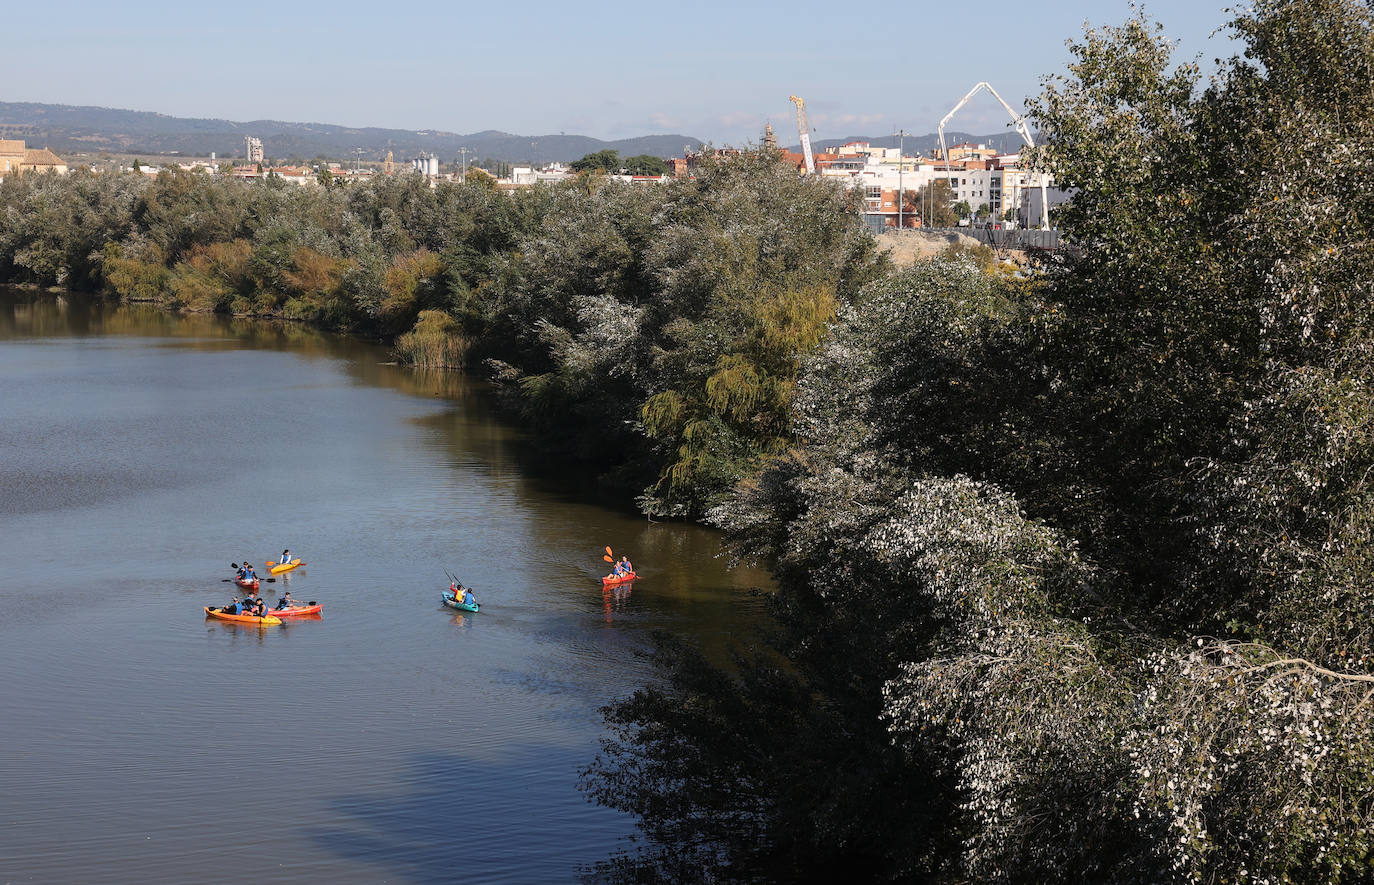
(650,333)
(1075,570)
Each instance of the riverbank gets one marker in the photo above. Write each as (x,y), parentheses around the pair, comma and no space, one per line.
(651,334)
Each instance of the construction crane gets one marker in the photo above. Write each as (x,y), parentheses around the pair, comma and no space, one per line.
(805,132)
(1019,123)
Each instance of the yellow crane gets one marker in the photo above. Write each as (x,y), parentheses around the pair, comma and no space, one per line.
(805,132)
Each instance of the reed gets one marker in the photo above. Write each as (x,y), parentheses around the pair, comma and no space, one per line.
(435,342)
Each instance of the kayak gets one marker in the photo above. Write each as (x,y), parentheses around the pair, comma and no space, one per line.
(452,602)
(285,566)
(612,580)
(247,585)
(240,619)
(296,611)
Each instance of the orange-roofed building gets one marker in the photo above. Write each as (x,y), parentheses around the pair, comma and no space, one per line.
(16,159)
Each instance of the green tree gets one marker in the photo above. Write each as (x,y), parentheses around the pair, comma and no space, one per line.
(645,164)
(604,160)
(931,204)
(1096,552)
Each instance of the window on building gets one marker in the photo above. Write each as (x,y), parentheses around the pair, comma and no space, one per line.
(873,193)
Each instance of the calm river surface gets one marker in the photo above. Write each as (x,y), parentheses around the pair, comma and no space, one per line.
(394,740)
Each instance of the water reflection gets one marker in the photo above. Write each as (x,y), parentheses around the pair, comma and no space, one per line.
(141,452)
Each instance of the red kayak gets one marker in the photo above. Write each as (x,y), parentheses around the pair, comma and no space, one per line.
(612,580)
(247,585)
(296,611)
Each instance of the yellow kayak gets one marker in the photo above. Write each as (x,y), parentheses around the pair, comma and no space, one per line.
(285,566)
(241,619)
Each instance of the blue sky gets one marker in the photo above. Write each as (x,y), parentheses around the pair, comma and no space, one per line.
(716,70)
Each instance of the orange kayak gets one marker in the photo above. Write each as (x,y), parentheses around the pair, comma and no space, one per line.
(612,580)
(296,611)
(240,619)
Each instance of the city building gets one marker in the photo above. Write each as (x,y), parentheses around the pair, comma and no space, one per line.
(253,149)
(16,158)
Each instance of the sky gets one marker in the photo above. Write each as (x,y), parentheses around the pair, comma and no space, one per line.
(715,69)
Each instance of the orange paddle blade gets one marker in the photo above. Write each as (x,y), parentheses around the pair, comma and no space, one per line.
(270,563)
(608,552)
(608,559)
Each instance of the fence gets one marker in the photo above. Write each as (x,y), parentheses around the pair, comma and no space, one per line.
(998,239)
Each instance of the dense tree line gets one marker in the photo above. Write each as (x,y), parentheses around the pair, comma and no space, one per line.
(1076,574)
(653,330)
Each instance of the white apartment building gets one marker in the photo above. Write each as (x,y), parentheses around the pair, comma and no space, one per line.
(972,186)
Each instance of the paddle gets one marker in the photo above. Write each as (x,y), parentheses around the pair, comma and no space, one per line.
(294,604)
(235,565)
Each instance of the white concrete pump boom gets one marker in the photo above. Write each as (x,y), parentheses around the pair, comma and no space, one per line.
(1018,121)
(805,132)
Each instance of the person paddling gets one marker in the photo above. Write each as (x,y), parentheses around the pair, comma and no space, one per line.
(285,558)
(286,601)
(468,598)
(625,566)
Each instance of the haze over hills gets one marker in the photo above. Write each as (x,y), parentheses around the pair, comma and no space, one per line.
(70,129)
(66,128)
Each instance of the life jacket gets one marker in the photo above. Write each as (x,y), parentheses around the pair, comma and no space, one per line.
(231,609)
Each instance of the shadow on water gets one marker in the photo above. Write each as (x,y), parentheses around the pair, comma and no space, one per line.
(453,825)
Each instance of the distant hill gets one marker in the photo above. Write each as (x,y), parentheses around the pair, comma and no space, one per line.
(68,129)
(924,145)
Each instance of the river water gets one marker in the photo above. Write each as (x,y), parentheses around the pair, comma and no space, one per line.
(393,740)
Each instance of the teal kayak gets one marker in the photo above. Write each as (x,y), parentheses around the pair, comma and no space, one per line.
(451,602)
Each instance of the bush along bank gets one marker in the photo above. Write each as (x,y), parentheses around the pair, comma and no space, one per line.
(655,333)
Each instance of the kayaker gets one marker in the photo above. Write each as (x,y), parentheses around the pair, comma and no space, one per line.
(285,558)
(232,608)
(625,565)
(468,598)
(286,601)
(248,574)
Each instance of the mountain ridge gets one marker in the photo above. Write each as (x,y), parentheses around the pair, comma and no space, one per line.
(92,129)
